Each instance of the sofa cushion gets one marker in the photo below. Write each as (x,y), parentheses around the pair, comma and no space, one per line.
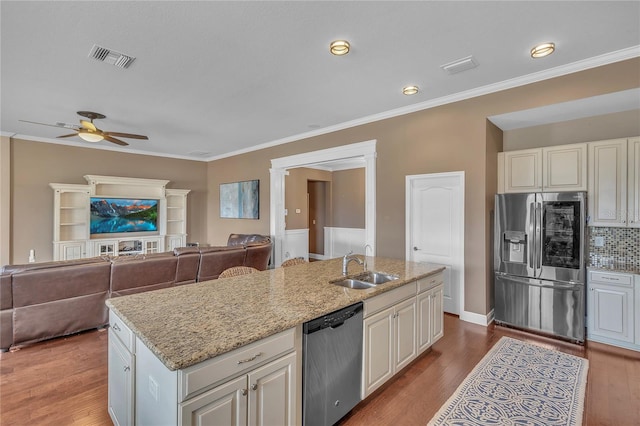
(214,260)
(245,239)
(258,256)
(42,285)
(188,262)
(150,271)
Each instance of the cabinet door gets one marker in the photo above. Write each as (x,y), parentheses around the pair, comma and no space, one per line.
(564,168)
(437,312)
(378,350)
(70,250)
(272,393)
(607,193)
(120,389)
(223,405)
(423,304)
(633,182)
(523,170)
(611,312)
(105,248)
(405,333)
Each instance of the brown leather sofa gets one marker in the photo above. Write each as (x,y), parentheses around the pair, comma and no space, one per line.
(39,301)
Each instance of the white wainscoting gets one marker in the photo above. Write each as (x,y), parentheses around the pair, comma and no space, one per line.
(296,244)
(340,241)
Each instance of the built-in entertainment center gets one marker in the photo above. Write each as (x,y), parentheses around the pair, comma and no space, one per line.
(117,216)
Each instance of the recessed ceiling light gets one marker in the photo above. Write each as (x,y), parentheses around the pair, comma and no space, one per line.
(542,50)
(339,47)
(410,90)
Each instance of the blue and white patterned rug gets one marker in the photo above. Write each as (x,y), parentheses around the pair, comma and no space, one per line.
(518,383)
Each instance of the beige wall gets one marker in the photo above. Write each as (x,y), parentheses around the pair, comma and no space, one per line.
(36,164)
(602,127)
(451,137)
(347,195)
(447,138)
(296,195)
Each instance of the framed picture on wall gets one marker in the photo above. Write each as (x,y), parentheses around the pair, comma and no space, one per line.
(240,200)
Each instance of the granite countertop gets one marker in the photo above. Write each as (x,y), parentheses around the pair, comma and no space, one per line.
(189,324)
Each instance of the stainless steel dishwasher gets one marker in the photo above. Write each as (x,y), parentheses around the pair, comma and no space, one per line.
(332,358)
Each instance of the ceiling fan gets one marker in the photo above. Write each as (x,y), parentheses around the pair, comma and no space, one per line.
(89,132)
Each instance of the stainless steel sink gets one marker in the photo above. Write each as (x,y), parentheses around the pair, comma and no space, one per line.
(355,284)
(375,277)
(365,280)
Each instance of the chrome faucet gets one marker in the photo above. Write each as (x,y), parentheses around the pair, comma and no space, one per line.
(348,258)
(366,246)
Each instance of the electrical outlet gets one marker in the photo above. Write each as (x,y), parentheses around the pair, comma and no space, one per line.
(298,211)
(153,388)
(599,241)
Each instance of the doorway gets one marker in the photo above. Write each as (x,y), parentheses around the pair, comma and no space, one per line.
(364,152)
(435,229)
(317,192)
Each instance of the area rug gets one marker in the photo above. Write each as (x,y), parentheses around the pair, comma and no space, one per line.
(518,383)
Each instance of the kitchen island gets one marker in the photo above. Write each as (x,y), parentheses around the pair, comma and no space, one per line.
(179,343)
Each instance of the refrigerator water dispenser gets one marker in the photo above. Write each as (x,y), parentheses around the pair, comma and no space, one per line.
(514,247)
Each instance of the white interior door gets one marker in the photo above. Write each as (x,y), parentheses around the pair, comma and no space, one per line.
(435,229)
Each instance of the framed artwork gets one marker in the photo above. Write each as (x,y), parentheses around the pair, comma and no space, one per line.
(240,200)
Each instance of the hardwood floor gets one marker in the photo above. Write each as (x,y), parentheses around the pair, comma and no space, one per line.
(64,381)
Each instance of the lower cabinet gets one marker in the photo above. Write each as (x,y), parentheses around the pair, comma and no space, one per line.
(390,343)
(121,382)
(610,309)
(398,326)
(430,317)
(262,397)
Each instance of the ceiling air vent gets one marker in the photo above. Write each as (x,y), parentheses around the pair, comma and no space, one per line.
(109,56)
(460,65)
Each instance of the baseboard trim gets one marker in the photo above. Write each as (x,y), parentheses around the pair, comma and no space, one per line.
(479,319)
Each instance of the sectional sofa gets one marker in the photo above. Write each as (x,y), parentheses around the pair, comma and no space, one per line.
(39,301)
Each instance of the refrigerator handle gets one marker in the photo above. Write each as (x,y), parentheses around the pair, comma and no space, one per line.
(530,243)
(539,237)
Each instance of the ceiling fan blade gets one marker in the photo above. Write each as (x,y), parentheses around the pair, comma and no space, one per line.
(88,125)
(114,140)
(67,136)
(61,125)
(126,135)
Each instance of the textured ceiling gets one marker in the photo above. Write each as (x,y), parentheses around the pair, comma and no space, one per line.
(215,78)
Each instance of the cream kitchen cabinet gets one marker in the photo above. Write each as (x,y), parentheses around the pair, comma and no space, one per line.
(549,169)
(614,184)
(389,335)
(633,182)
(430,311)
(256,384)
(265,396)
(121,360)
(610,308)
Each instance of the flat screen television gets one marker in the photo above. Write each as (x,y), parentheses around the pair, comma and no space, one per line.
(118,215)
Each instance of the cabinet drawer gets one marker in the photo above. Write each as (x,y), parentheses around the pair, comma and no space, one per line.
(430,282)
(122,332)
(622,280)
(378,303)
(207,374)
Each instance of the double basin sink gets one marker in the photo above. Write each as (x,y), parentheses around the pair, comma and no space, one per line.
(367,279)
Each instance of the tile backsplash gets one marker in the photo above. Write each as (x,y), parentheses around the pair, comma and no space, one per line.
(621,248)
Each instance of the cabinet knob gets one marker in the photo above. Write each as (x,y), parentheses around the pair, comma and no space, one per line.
(244,392)
(116,328)
(127,368)
(254,386)
(415,249)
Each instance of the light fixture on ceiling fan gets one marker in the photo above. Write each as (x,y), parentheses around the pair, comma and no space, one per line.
(88,131)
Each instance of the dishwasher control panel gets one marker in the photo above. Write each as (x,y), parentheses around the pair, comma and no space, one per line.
(334,319)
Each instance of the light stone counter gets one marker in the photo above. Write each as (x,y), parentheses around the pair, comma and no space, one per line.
(189,324)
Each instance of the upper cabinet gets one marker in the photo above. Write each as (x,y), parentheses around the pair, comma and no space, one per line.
(614,184)
(549,169)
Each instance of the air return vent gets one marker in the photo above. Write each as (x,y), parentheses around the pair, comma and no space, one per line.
(460,65)
(109,56)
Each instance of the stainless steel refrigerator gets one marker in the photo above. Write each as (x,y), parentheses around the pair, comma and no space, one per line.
(539,262)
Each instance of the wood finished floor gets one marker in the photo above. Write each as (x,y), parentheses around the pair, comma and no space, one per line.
(64,381)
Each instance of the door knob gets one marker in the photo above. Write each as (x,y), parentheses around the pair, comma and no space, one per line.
(415,248)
